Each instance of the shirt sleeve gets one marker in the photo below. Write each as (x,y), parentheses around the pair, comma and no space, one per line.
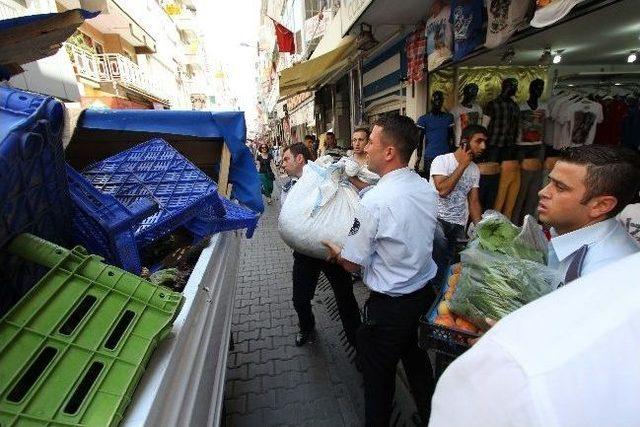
(438,167)
(359,244)
(476,177)
(421,123)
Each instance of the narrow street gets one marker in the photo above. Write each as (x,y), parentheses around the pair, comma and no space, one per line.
(270,381)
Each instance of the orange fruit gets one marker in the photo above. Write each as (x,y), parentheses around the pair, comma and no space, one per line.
(465,325)
(445,320)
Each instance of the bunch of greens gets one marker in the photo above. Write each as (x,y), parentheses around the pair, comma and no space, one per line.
(494,285)
(496,233)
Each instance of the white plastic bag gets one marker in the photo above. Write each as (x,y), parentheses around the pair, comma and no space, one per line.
(319,207)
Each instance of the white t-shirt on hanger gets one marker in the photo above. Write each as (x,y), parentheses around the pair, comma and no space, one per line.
(583,117)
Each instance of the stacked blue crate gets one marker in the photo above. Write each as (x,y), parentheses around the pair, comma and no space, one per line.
(33,184)
(113,199)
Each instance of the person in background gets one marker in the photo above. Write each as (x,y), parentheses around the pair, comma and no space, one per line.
(359,141)
(331,147)
(457,179)
(630,220)
(391,239)
(265,165)
(587,188)
(309,142)
(569,358)
(306,270)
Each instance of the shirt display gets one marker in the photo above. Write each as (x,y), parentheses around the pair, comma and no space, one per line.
(505,17)
(582,118)
(549,12)
(439,35)
(463,117)
(436,133)
(532,124)
(609,132)
(569,358)
(454,208)
(467,19)
(504,115)
(631,128)
(392,236)
(416,47)
(607,240)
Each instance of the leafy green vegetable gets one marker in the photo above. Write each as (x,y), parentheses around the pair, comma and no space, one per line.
(493,285)
(496,233)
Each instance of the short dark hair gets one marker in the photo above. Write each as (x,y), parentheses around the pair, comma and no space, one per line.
(611,171)
(310,137)
(402,133)
(471,130)
(299,148)
(362,128)
(330,133)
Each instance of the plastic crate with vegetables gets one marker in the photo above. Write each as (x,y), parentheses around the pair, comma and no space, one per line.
(502,269)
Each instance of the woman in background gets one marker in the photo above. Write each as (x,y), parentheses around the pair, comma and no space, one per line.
(264,163)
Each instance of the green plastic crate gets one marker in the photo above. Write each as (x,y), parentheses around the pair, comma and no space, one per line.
(74,348)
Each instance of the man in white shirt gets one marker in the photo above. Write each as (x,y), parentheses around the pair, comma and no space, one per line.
(306,270)
(457,179)
(587,188)
(569,358)
(391,239)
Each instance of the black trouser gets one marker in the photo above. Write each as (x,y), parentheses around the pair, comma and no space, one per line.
(389,333)
(306,271)
(454,234)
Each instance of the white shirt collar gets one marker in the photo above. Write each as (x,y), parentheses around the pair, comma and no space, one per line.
(566,244)
(394,174)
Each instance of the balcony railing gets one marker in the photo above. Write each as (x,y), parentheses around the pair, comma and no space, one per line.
(113,67)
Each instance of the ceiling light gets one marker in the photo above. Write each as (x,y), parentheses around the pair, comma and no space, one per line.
(617,84)
(557,57)
(632,57)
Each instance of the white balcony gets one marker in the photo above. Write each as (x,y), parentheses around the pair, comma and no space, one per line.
(114,68)
(185,21)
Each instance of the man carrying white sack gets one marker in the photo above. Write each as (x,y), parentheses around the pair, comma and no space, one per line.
(306,269)
(392,239)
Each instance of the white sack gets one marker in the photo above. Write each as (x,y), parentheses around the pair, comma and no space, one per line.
(318,207)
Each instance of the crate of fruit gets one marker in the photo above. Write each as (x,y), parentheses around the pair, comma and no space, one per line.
(441,329)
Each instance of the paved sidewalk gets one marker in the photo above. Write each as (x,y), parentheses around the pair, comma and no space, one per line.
(269,380)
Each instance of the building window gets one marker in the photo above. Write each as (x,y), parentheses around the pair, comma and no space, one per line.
(98,47)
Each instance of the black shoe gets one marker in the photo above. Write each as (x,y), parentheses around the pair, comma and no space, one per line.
(304,337)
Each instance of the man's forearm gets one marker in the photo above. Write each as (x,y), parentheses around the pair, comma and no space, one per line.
(448,184)
(349,266)
(475,211)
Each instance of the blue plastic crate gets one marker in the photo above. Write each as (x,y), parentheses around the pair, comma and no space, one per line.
(235,218)
(34,195)
(104,226)
(156,170)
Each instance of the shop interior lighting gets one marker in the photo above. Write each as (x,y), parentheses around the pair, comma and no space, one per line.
(632,57)
(558,56)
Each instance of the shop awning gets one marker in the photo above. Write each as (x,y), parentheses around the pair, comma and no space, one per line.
(307,75)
